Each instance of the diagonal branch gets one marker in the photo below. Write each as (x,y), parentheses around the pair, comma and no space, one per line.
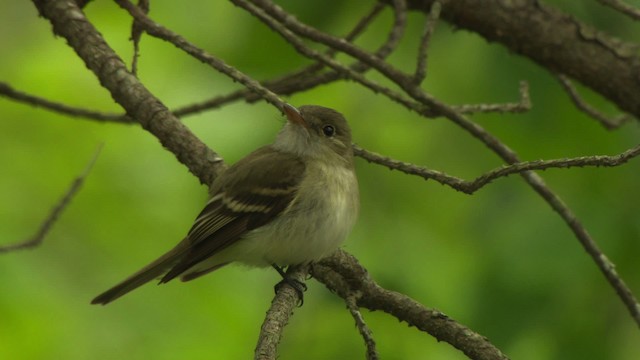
(157,30)
(8,91)
(623,8)
(553,39)
(57,210)
(342,273)
(70,23)
(607,122)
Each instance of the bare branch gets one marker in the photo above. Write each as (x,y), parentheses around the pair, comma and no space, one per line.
(338,67)
(429,27)
(607,122)
(342,273)
(365,332)
(70,22)
(9,92)
(278,315)
(521,106)
(299,80)
(541,27)
(622,7)
(397,31)
(161,32)
(469,187)
(293,25)
(57,210)
(136,33)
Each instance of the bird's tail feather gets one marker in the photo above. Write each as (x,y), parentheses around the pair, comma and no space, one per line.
(143,276)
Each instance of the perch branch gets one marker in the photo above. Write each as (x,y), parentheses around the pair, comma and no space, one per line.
(278,315)
(342,274)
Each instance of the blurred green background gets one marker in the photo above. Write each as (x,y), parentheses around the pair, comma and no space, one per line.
(499,261)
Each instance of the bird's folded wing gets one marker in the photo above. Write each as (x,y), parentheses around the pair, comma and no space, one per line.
(250,194)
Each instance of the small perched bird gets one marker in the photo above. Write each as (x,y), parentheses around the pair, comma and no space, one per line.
(288,203)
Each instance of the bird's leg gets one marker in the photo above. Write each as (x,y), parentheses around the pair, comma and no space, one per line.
(297,285)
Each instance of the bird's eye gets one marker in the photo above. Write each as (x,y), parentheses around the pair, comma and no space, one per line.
(328,130)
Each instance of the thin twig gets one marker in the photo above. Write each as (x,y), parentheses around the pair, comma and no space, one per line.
(57,210)
(469,187)
(397,31)
(281,309)
(363,329)
(9,92)
(344,71)
(295,81)
(136,34)
(622,7)
(523,105)
(305,79)
(293,25)
(429,27)
(160,31)
(342,274)
(606,121)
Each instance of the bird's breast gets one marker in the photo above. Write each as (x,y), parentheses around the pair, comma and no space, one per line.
(316,222)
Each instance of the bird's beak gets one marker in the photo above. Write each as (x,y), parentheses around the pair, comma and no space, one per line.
(294,116)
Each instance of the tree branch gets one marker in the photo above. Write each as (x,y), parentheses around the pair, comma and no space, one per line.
(342,274)
(623,8)
(553,39)
(69,22)
(57,210)
(469,187)
(607,122)
(427,104)
(278,315)
(9,92)
(159,31)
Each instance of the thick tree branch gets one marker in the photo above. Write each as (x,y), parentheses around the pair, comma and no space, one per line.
(69,22)
(555,40)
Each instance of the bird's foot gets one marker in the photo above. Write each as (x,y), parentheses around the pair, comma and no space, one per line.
(297,285)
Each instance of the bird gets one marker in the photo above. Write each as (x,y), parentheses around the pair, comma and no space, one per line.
(291,202)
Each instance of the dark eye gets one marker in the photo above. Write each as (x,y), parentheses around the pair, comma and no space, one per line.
(328,130)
